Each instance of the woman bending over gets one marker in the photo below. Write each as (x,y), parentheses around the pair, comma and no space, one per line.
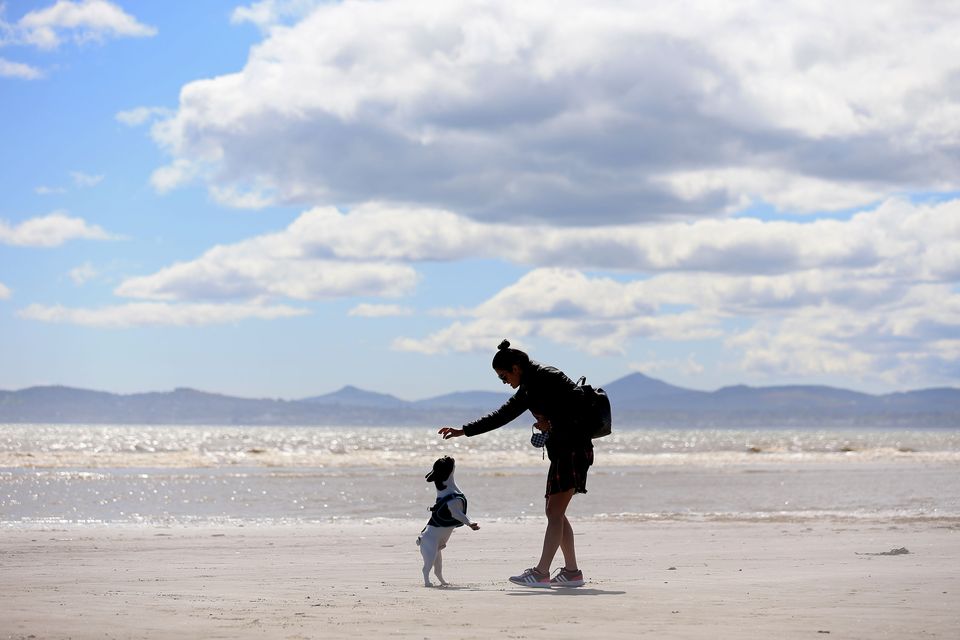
(555,401)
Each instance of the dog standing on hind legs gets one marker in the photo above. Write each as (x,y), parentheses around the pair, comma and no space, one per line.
(448,513)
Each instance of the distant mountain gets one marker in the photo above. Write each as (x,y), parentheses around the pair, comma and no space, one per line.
(348,406)
(180,406)
(352,396)
(940,399)
(638,385)
(639,392)
(637,400)
(788,398)
(640,400)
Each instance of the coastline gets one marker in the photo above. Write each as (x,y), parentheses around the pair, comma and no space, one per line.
(351,579)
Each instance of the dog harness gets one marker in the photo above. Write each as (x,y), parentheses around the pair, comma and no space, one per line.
(440,512)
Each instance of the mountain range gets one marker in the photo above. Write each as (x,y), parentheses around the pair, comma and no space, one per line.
(637,401)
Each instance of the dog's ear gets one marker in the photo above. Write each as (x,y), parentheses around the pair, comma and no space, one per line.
(442,469)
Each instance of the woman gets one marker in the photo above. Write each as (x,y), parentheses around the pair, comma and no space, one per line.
(556,403)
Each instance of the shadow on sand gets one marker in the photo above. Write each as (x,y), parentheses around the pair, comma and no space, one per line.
(524,591)
(579,591)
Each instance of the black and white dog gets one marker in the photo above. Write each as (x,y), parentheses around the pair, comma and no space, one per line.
(448,513)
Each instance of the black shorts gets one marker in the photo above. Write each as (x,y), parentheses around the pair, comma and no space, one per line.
(568,470)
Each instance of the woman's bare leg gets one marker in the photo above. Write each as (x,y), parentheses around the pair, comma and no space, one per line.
(567,547)
(559,533)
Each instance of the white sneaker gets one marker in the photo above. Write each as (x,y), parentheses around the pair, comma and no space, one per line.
(567,578)
(532,578)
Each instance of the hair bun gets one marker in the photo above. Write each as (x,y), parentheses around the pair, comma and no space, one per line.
(503,345)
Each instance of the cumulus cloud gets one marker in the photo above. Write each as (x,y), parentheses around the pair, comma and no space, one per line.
(896,235)
(152,314)
(796,299)
(233,197)
(907,334)
(51,230)
(597,315)
(785,190)
(82,21)
(10,69)
(141,115)
(83,273)
(905,339)
(168,177)
(599,113)
(752,264)
(327,253)
(5,292)
(270,13)
(272,265)
(849,295)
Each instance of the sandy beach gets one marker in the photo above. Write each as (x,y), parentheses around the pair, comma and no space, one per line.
(360,580)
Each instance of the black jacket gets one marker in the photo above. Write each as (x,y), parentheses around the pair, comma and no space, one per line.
(548,392)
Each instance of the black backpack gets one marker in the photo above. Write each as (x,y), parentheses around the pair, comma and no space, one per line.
(596,409)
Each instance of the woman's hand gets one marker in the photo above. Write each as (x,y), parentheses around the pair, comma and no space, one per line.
(542,423)
(450,432)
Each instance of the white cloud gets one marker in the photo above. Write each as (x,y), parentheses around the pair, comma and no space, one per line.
(599,113)
(776,348)
(686,367)
(51,230)
(80,180)
(173,175)
(886,237)
(85,180)
(141,115)
(49,191)
(890,269)
(596,315)
(270,265)
(367,310)
(907,338)
(270,13)
(11,69)
(909,333)
(232,197)
(82,21)
(156,314)
(753,264)
(872,297)
(83,273)
(5,292)
(785,190)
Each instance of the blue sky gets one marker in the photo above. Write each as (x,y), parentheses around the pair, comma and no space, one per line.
(281,197)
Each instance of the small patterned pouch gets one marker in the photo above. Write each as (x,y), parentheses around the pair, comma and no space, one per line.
(538,438)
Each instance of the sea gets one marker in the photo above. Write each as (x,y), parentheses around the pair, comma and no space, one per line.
(171,475)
